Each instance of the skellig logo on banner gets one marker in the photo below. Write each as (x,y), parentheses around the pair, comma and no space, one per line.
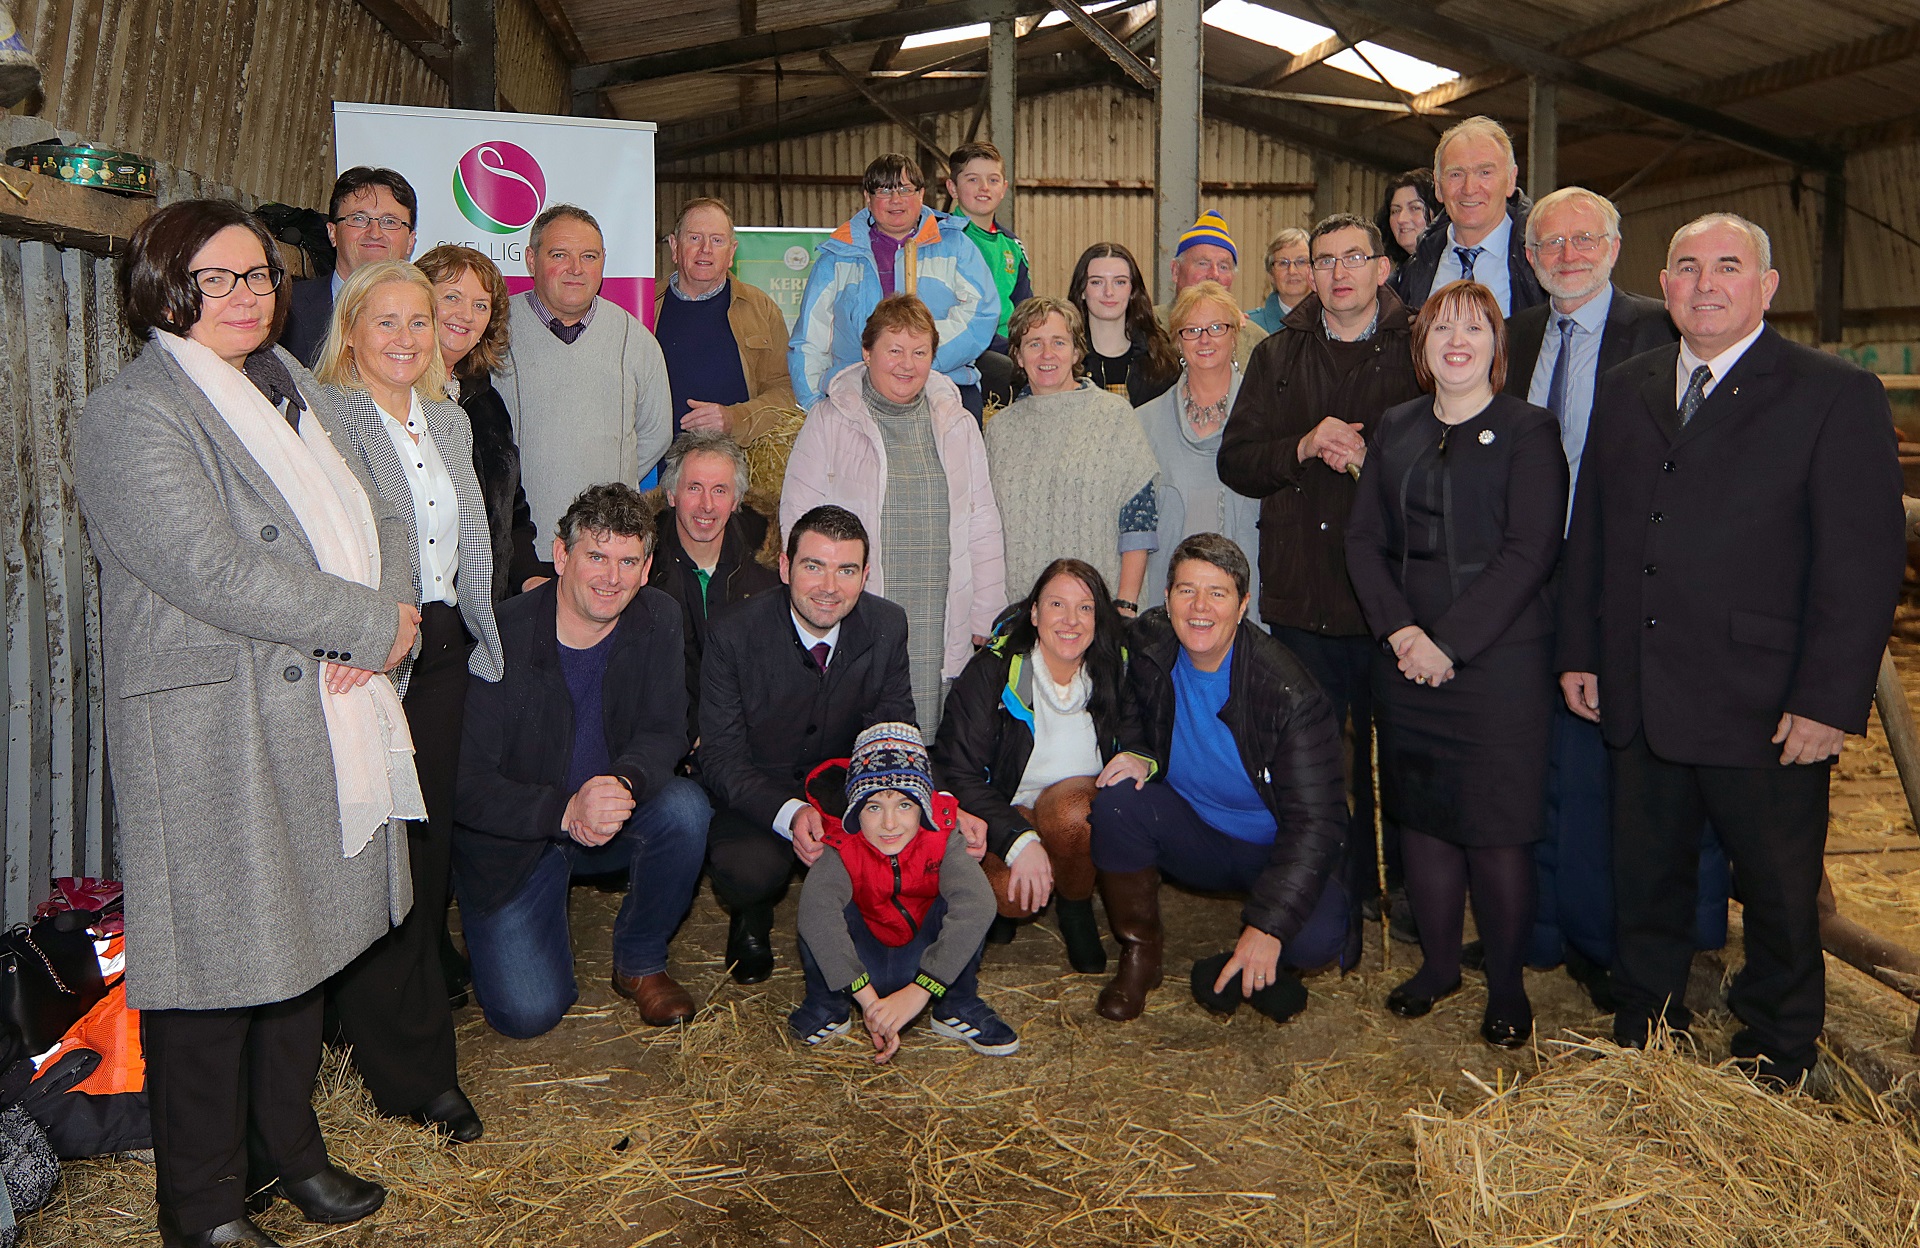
(499,187)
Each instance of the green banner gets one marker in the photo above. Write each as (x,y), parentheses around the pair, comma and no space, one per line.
(777,261)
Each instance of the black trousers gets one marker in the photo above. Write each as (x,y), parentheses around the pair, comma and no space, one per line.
(748,862)
(1344,668)
(1773,824)
(391,1001)
(216,1078)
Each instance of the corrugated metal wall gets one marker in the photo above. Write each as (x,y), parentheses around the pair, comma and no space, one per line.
(530,72)
(1094,133)
(240,92)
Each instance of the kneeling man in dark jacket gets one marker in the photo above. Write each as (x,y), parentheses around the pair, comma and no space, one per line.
(1231,781)
(566,768)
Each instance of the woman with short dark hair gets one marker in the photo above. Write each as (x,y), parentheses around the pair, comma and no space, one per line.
(1408,208)
(1455,529)
(253,587)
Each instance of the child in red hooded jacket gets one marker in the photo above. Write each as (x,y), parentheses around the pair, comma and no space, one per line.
(897,915)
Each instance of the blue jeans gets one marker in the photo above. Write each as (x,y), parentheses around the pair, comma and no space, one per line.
(891,968)
(1155,827)
(1574,860)
(522,953)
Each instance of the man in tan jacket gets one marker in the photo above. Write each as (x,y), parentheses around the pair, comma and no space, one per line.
(725,341)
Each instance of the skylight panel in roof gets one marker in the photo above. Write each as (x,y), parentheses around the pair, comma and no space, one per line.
(1291,34)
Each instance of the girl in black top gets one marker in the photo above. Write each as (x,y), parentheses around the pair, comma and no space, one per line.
(1131,352)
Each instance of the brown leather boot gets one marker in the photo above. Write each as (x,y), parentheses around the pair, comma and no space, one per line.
(662,1002)
(1133,912)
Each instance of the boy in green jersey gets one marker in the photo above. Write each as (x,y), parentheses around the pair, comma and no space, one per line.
(977,183)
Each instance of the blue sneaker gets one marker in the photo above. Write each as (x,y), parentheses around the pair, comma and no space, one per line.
(817,1021)
(973,1022)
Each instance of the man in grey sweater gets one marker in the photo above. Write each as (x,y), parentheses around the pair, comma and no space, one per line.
(585,382)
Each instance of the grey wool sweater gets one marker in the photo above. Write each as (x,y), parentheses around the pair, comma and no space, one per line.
(594,410)
(823,917)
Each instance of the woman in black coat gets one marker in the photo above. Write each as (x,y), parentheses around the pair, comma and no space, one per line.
(1454,532)
(1029,723)
(470,313)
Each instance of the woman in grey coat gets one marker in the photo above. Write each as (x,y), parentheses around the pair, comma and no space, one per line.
(252,585)
(381,365)
(1185,427)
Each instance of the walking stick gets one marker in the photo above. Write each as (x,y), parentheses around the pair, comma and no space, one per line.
(1380,853)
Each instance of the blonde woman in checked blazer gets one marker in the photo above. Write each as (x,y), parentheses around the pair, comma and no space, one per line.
(381,365)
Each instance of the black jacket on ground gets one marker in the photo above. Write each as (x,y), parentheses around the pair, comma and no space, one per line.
(1745,566)
(496,460)
(1293,382)
(1506,495)
(1414,282)
(738,575)
(518,742)
(309,316)
(1289,744)
(986,739)
(768,715)
(1635,323)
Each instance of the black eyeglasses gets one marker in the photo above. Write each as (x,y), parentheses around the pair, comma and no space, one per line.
(1353,260)
(219,283)
(1193,333)
(387,224)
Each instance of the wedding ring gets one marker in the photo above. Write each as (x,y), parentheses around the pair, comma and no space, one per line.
(1419,680)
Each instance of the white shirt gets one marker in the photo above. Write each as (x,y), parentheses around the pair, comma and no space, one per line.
(436,511)
(1064,742)
(1583,371)
(783,819)
(1721,364)
(1489,267)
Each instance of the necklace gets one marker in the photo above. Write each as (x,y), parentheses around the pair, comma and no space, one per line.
(1203,416)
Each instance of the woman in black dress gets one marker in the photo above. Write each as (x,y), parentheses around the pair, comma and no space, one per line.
(1454,533)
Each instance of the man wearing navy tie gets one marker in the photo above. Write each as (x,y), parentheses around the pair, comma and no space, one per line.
(1477,236)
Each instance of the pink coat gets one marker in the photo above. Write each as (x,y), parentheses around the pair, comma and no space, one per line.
(838,458)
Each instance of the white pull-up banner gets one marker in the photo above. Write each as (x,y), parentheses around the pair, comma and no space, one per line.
(483,177)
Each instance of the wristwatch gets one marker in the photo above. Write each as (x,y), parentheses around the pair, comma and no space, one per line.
(1124,605)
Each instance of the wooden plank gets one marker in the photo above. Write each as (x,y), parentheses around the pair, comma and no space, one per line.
(558,25)
(48,210)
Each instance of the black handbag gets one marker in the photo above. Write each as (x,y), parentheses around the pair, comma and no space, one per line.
(49,976)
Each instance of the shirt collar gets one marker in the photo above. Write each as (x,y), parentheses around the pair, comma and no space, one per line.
(1721,364)
(264,369)
(549,319)
(808,641)
(1496,243)
(1326,326)
(673,284)
(1590,316)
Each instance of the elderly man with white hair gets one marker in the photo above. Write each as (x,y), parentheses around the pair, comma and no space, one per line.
(1477,235)
(1729,583)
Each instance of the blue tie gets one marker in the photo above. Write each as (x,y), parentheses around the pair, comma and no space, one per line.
(1696,393)
(1562,372)
(1467,256)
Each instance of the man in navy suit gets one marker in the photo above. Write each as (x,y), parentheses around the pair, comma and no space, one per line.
(1559,350)
(370,217)
(1729,583)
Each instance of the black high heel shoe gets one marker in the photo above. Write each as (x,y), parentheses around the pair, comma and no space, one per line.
(1409,1005)
(1507,1033)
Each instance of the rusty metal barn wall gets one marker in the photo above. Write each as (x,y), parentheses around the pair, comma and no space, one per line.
(1094,133)
(239,91)
(531,73)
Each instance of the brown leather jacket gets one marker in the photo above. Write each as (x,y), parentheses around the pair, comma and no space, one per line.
(761,332)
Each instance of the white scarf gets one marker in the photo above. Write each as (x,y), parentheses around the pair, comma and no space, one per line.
(372,749)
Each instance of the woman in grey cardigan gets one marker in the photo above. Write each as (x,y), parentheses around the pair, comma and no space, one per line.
(382,365)
(252,584)
(1184,426)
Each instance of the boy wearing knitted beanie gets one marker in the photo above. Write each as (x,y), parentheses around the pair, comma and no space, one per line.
(896,916)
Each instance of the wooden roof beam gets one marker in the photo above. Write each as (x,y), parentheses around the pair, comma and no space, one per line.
(414,27)
(818,37)
(561,28)
(1537,62)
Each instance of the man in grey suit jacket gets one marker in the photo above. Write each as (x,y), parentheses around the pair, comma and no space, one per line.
(1556,353)
(370,217)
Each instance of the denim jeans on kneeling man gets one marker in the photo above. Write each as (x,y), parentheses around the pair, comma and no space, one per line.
(522,953)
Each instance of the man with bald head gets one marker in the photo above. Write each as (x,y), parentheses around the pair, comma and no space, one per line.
(1477,235)
(1729,582)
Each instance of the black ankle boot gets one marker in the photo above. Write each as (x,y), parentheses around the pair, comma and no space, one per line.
(1081,932)
(750,945)
(333,1197)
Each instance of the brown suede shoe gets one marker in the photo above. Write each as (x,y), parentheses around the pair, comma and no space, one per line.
(662,1002)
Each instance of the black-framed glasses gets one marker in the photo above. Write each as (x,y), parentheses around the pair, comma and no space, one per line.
(388,224)
(1192,333)
(1353,260)
(897,190)
(219,283)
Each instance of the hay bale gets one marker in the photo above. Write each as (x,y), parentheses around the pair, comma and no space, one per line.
(767,453)
(1623,1148)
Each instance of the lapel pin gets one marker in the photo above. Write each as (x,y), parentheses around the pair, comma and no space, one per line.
(1486,437)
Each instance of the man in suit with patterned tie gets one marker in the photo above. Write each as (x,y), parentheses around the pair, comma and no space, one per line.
(1477,237)
(1729,582)
(1558,352)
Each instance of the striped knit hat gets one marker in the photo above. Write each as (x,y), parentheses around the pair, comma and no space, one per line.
(889,756)
(1211,228)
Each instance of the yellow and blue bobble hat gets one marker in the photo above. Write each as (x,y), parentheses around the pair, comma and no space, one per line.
(1211,228)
